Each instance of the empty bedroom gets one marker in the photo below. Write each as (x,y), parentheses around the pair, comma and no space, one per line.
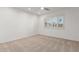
(39,29)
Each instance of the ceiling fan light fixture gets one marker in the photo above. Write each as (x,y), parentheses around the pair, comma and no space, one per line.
(42,8)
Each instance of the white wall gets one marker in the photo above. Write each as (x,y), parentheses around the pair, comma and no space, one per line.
(16,24)
(71,30)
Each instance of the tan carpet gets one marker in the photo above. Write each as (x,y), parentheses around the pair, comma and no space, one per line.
(40,43)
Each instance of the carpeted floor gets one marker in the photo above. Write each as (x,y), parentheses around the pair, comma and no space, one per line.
(40,43)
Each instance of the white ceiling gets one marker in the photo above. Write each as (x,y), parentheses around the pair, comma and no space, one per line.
(39,11)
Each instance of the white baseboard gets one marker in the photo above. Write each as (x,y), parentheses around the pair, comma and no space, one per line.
(60,37)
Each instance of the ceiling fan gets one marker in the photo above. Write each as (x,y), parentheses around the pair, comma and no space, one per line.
(47,9)
(44,8)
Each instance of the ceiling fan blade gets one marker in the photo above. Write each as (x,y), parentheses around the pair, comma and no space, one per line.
(47,9)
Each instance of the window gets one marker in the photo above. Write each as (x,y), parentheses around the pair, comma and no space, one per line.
(55,22)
